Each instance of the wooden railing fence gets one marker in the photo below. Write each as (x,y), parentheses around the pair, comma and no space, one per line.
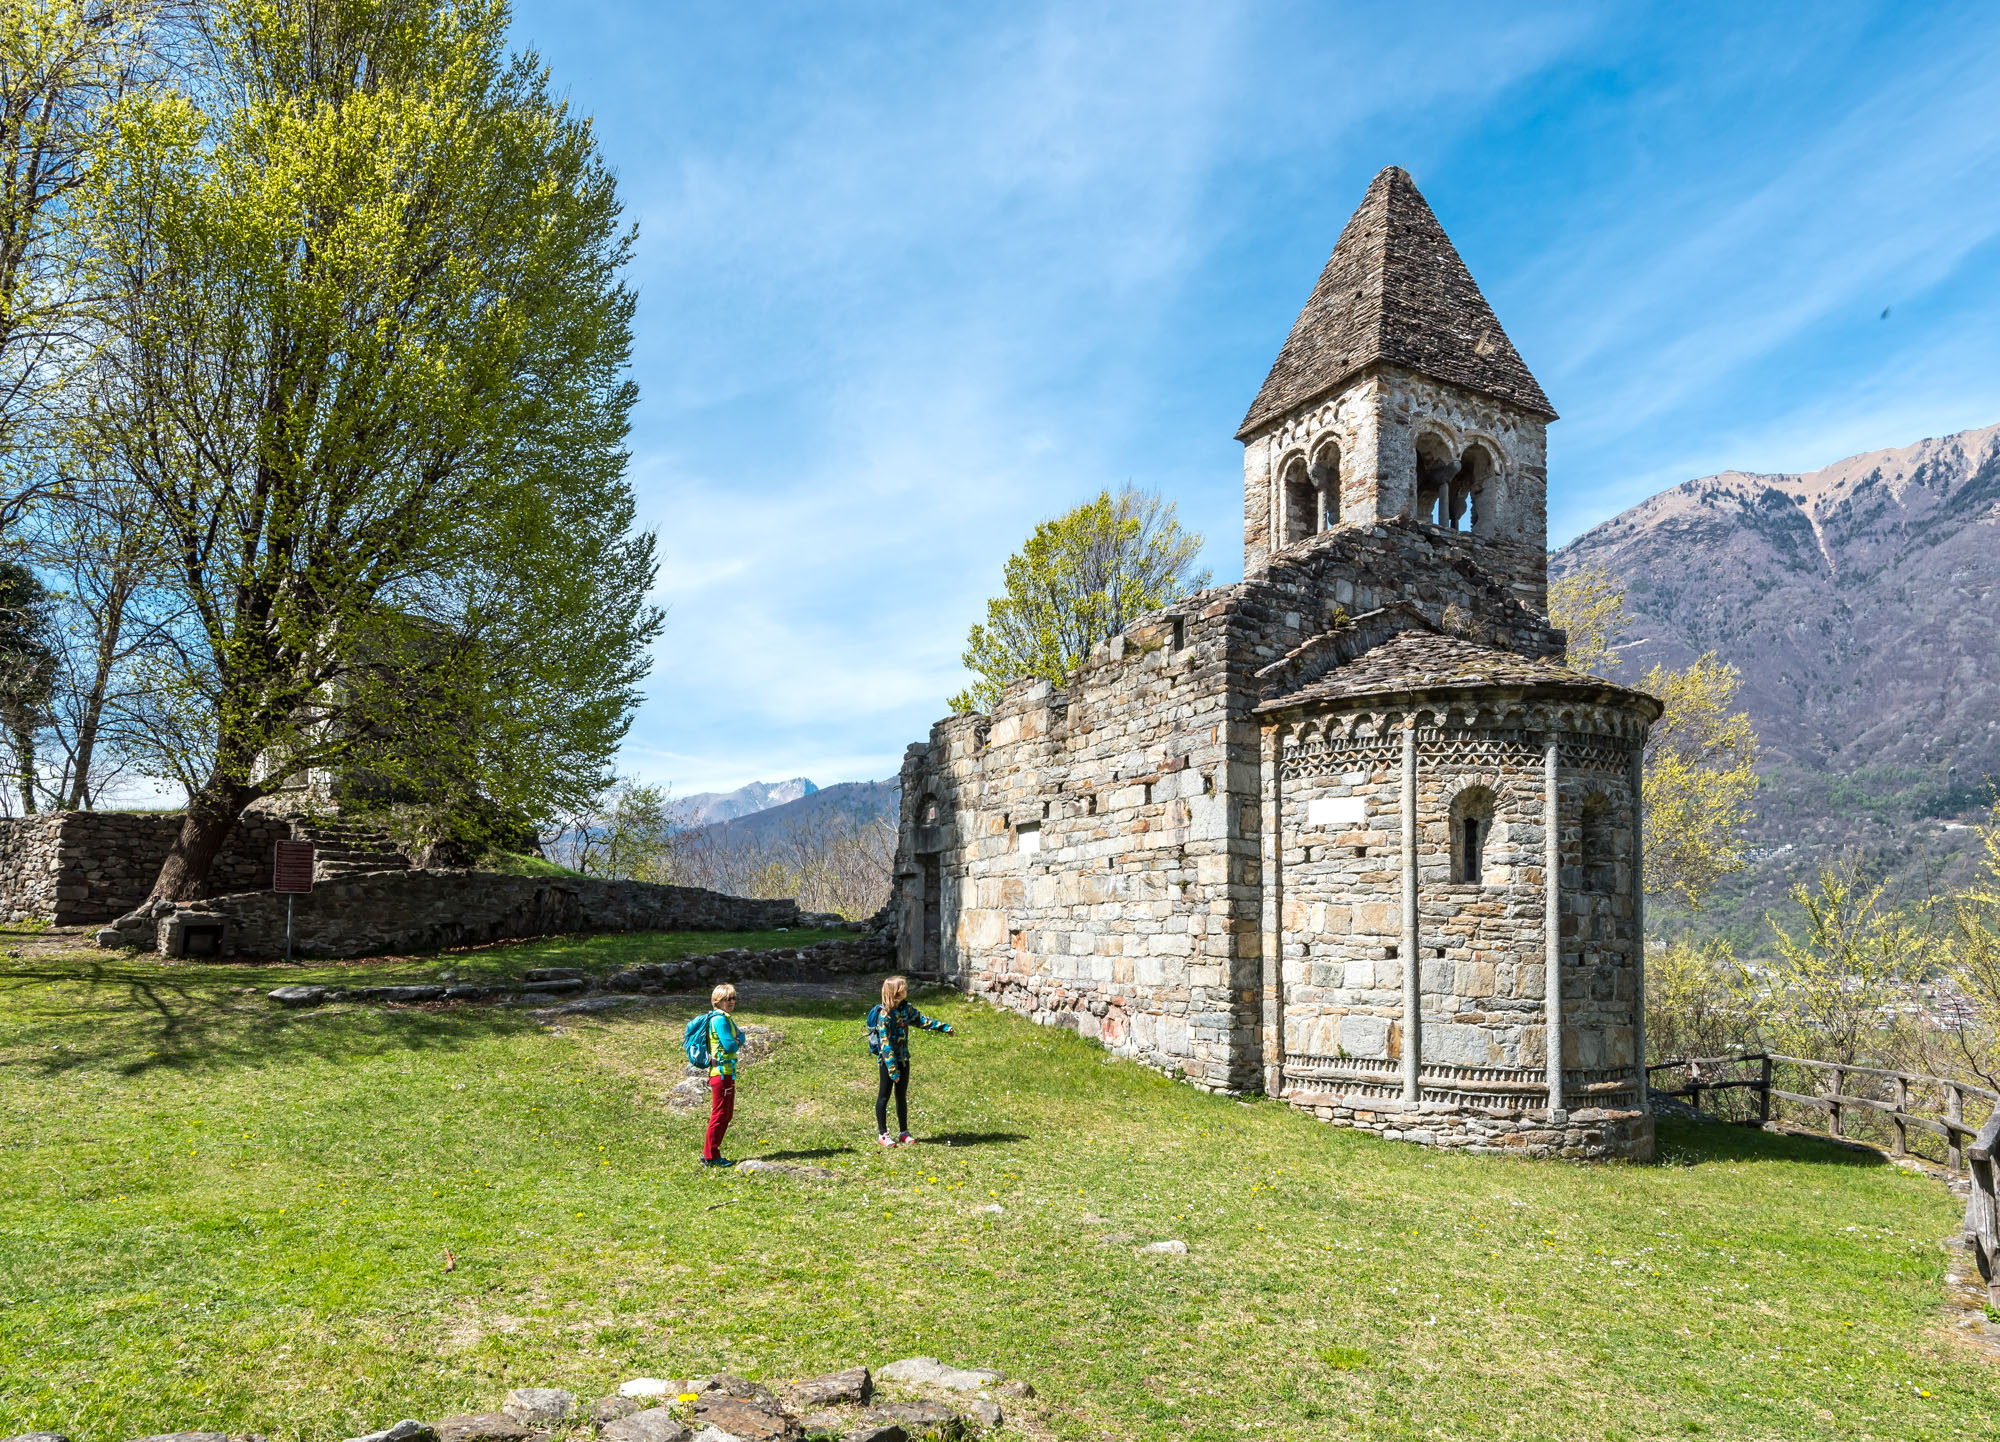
(1903,1101)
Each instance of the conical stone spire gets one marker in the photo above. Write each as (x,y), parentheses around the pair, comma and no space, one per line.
(1395,290)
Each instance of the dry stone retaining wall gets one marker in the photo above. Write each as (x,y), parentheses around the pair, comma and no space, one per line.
(79,867)
(405,911)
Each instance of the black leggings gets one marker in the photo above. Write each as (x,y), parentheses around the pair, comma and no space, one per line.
(902,1088)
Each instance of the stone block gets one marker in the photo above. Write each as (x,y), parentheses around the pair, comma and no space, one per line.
(1365,1036)
(1379,918)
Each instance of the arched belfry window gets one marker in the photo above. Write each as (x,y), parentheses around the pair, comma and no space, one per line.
(1435,468)
(1471,834)
(1474,492)
(1324,473)
(1301,503)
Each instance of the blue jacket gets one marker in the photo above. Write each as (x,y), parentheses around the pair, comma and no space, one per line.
(889,1034)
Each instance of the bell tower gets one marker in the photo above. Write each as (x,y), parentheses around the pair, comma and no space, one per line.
(1398,395)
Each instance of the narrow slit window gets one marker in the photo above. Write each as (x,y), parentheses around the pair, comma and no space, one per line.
(1471,834)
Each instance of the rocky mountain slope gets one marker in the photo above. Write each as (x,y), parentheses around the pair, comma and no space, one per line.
(1862,603)
(837,805)
(706,806)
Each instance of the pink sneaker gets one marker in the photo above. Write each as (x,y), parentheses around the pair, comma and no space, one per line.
(885,1140)
(906,1140)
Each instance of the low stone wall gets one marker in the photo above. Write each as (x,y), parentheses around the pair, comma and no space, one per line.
(573,989)
(78,867)
(417,911)
(1589,1133)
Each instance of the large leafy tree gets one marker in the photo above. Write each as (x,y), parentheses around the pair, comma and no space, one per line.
(1080,579)
(64,64)
(1701,757)
(367,370)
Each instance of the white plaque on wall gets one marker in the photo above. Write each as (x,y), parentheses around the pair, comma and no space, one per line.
(1337,811)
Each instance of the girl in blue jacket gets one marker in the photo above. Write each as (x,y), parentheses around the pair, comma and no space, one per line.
(889,1039)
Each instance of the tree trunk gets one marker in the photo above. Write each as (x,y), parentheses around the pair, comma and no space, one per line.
(24,754)
(211,815)
(93,713)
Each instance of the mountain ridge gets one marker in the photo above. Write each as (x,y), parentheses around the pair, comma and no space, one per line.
(705,807)
(1861,602)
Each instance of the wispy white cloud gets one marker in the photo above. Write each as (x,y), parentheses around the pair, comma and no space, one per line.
(913,281)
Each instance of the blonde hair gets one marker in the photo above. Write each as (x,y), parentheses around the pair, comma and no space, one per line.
(722,993)
(894,989)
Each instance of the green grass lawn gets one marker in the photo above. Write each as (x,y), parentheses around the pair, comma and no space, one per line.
(218,1214)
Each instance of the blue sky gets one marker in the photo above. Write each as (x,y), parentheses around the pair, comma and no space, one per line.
(913,278)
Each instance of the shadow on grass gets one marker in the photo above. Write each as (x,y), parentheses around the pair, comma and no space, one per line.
(808,1155)
(135,1018)
(140,1014)
(1682,1142)
(974,1139)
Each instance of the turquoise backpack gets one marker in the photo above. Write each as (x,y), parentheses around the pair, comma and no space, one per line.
(695,1042)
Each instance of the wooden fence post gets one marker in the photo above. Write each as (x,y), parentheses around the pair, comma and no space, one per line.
(1764,1095)
(1954,1111)
(1902,1105)
(1833,1126)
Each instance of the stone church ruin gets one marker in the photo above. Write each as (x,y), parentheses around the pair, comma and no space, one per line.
(1348,832)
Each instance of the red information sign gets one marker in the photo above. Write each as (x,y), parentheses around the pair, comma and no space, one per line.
(293,871)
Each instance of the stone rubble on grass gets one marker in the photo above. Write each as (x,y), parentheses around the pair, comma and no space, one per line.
(37,1437)
(918,1419)
(689,1094)
(720,1408)
(1166,1249)
(748,1419)
(481,1427)
(299,995)
(852,1385)
(407,1430)
(654,1424)
(538,1406)
(786,1169)
(922,1370)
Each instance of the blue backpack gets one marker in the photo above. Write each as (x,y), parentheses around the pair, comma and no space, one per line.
(695,1042)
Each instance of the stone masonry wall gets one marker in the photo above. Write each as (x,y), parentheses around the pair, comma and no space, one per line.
(1095,864)
(80,867)
(413,911)
(1135,918)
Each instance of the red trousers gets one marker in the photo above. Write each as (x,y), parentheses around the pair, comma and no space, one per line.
(722,1106)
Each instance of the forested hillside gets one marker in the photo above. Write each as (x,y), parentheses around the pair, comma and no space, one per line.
(1862,604)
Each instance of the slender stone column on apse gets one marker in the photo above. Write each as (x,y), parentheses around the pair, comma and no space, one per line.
(1413,973)
(1638,785)
(1274,911)
(1552,920)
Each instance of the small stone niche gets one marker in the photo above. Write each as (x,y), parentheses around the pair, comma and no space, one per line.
(195,934)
